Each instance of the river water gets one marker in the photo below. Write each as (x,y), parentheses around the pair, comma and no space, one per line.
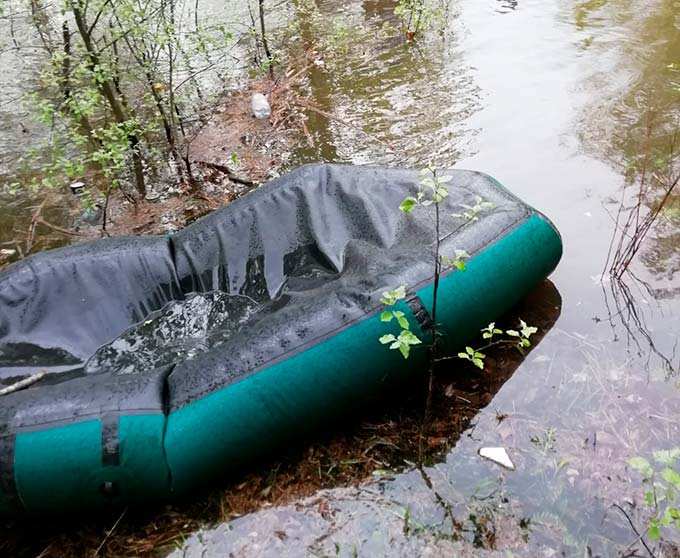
(568,104)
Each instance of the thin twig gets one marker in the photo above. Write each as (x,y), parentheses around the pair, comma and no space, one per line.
(55,228)
(109,533)
(632,526)
(21,384)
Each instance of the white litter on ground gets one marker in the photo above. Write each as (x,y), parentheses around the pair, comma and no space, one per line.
(497,455)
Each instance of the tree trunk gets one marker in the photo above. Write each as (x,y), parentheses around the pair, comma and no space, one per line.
(108,90)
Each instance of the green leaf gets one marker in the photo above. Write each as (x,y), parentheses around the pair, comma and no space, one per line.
(526,330)
(671,477)
(512,333)
(463,355)
(649,498)
(403,322)
(439,194)
(391,297)
(405,349)
(669,516)
(386,316)
(478,362)
(667,457)
(641,465)
(409,338)
(388,338)
(654,532)
(470,351)
(408,204)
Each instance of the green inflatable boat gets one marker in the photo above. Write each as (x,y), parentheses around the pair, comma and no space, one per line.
(172,360)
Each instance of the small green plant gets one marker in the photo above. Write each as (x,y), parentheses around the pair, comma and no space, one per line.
(406,338)
(472,212)
(520,338)
(432,191)
(523,335)
(416,15)
(662,490)
(474,356)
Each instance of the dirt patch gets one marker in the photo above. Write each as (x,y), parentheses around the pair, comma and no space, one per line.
(231,154)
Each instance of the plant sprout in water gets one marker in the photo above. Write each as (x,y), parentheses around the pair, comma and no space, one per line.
(432,191)
(661,480)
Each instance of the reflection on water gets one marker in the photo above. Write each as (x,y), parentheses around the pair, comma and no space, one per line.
(568,104)
(395,103)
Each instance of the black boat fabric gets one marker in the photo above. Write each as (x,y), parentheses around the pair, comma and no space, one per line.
(310,252)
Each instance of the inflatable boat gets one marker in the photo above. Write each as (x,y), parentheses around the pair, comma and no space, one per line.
(172,360)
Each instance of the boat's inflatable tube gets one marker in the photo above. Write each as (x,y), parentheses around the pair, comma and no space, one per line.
(301,263)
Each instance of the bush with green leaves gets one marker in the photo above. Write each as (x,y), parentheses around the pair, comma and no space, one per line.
(661,481)
(432,191)
(418,15)
(120,84)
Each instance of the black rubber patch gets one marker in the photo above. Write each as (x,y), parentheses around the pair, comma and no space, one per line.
(420,313)
(110,440)
(8,484)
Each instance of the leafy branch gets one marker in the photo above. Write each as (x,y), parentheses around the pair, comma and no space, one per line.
(432,191)
(406,338)
(662,490)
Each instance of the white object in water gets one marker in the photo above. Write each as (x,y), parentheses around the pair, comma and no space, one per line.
(260,106)
(497,455)
(77,187)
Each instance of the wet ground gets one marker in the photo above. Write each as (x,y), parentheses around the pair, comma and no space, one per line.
(571,105)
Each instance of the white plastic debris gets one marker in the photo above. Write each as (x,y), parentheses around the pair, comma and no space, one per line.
(497,455)
(7,252)
(77,187)
(260,106)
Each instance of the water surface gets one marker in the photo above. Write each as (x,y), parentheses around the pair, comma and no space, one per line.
(569,104)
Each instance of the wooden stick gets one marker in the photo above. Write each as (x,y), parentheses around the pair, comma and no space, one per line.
(55,228)
(21,384)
